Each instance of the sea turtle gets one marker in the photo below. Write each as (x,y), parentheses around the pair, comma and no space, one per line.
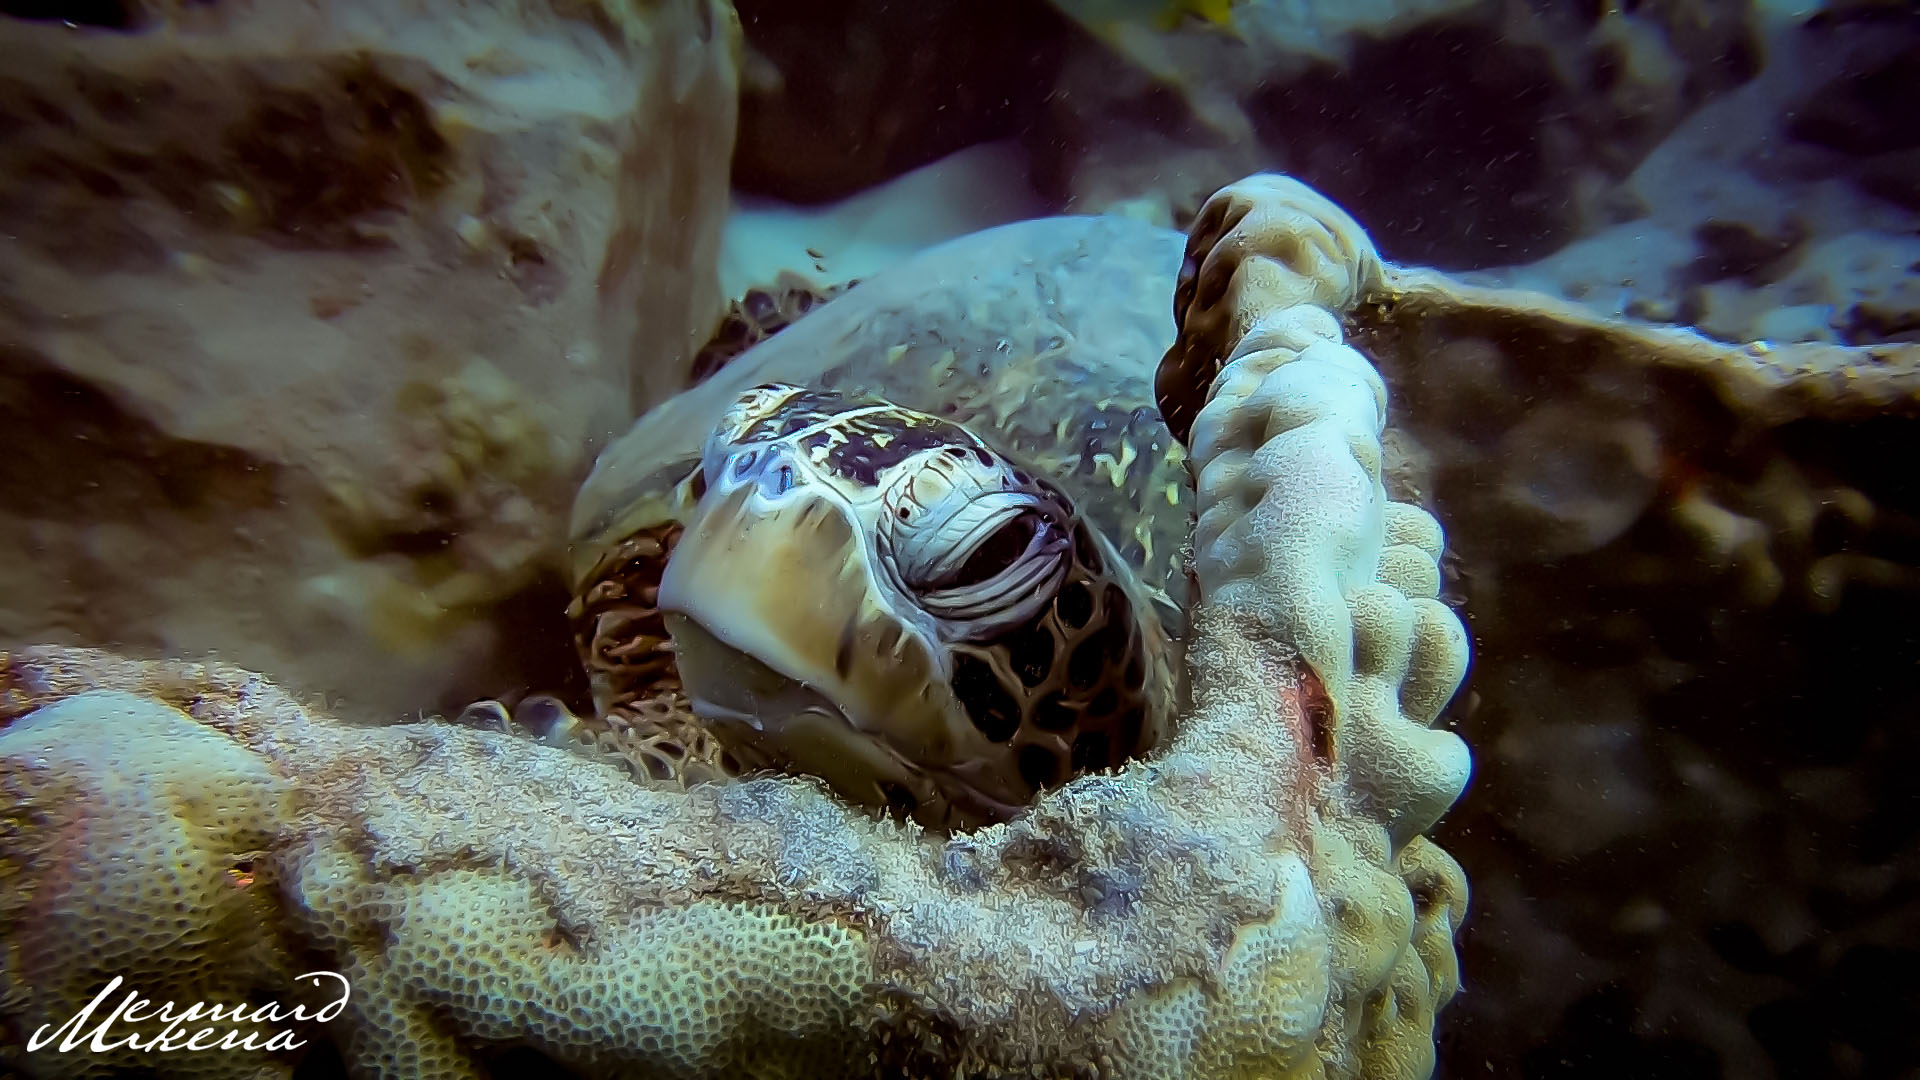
(926,543)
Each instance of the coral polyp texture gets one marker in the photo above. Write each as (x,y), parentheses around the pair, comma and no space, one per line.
(1253,898)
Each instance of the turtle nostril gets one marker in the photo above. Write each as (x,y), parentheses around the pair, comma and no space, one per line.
(781,481)
(744,464)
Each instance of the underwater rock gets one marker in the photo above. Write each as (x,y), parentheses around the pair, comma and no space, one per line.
(1860,113)
(1647,423)
(1687,565)
(833,103)
(1775,212)
(1147,108)
(314,315)
(1465,133)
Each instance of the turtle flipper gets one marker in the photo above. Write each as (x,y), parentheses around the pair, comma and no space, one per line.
(642,716)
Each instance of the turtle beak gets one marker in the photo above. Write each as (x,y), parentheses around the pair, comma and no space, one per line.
(781,635)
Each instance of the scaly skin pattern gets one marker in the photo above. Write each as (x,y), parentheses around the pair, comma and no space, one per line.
(1253,899)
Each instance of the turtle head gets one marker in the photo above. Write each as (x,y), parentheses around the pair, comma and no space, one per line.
(877,597)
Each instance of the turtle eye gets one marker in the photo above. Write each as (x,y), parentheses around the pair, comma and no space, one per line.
(996,555)
(1003,578)
(969,547)
(973,549)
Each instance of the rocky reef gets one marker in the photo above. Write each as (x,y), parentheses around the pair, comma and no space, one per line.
(313,319)
(1682,562)
(1743,168)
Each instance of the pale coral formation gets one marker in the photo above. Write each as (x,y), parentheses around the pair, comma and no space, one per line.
(1296,534)
(134,844)
(1293,528)
(1253,899)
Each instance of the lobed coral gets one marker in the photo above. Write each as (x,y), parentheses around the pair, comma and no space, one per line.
(1255,899)
(144,865)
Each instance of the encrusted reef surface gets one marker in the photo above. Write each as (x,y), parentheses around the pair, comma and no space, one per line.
(1256,898)
(1686,565)
(314,314)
